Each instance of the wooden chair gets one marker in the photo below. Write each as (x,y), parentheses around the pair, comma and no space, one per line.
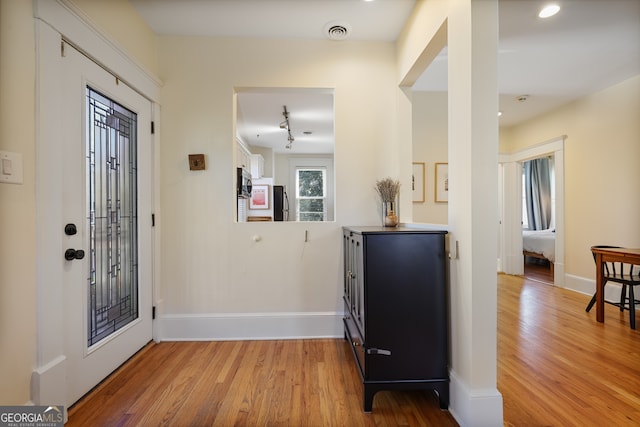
(629,277)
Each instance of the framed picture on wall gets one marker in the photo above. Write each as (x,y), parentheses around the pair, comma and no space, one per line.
(442,183)
(259,197)
(417,182)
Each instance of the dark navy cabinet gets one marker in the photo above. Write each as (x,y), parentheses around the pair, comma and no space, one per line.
(395,296)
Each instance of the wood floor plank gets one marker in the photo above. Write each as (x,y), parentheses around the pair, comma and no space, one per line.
(557,366)
(276,383)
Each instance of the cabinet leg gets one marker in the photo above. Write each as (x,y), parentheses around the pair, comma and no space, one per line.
(368,394)
(443,395)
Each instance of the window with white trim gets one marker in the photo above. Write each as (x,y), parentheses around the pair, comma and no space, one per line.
(311,194)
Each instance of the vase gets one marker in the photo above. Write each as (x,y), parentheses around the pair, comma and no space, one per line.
(390,219)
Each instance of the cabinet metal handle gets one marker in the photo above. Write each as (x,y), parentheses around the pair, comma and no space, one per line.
(379,351)
(355,343)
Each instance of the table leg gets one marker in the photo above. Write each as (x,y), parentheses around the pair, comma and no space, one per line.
(599,289)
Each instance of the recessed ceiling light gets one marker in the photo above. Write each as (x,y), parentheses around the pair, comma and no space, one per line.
(549,10)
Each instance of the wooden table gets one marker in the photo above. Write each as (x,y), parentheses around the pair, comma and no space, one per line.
(629,256)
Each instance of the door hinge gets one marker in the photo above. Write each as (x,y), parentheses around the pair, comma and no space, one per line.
(153,128)
(153,220)
(62,49)
(153,312)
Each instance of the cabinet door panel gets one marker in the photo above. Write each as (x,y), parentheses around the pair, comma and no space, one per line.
(406,306)
(348,266)
(359,280)
(356,341)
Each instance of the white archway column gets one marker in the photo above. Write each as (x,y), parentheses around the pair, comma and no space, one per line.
(473,210)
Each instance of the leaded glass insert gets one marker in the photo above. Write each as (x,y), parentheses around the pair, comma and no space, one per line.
(112,216)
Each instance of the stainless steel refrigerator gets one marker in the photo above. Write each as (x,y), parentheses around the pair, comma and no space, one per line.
(280,203)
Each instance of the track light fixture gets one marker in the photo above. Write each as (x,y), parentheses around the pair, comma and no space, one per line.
(285,125)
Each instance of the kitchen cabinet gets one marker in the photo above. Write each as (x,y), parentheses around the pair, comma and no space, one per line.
(243,155)
(257,166)
(395,303)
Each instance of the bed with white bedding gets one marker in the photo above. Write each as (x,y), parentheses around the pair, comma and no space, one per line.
(540,244)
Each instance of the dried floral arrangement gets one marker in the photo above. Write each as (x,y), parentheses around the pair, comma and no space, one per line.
(388,189)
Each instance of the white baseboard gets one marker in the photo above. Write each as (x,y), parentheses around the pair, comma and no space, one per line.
(249,326)
(48,383)
(474,408)
(588,287)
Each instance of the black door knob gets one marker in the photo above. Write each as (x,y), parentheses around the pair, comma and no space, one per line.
(70,229)
(71,254)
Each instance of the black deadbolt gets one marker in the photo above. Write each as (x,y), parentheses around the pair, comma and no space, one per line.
(71,254)
(70,229)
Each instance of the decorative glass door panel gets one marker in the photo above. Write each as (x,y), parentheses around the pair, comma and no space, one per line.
(112,216)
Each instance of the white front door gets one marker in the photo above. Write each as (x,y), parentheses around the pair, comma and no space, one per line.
(107,253)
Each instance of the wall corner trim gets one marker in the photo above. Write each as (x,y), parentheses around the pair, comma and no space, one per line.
(475,407)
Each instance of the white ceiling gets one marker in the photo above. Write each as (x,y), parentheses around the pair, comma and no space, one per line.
(380,20)
(310,113)
(588,46)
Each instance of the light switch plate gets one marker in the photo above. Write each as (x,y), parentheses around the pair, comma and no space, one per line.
(10,167)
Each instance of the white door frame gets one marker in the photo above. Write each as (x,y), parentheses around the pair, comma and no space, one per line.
(55,21)
(511,258)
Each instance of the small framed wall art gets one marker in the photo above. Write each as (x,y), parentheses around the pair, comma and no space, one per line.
(196,162)
(417,182)
(442,183)
(259,197)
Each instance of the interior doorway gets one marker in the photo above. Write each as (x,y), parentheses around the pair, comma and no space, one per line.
(538,218)
(511,253)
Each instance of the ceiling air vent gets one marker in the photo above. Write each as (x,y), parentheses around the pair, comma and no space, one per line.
(337,30)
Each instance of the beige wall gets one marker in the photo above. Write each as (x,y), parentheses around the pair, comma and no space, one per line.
(17,203)
(430,145)
(601,153)
(213,265)
(602,176)
(121,22)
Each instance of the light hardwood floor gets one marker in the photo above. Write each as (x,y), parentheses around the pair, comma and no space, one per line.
(556,367)
(538,272)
